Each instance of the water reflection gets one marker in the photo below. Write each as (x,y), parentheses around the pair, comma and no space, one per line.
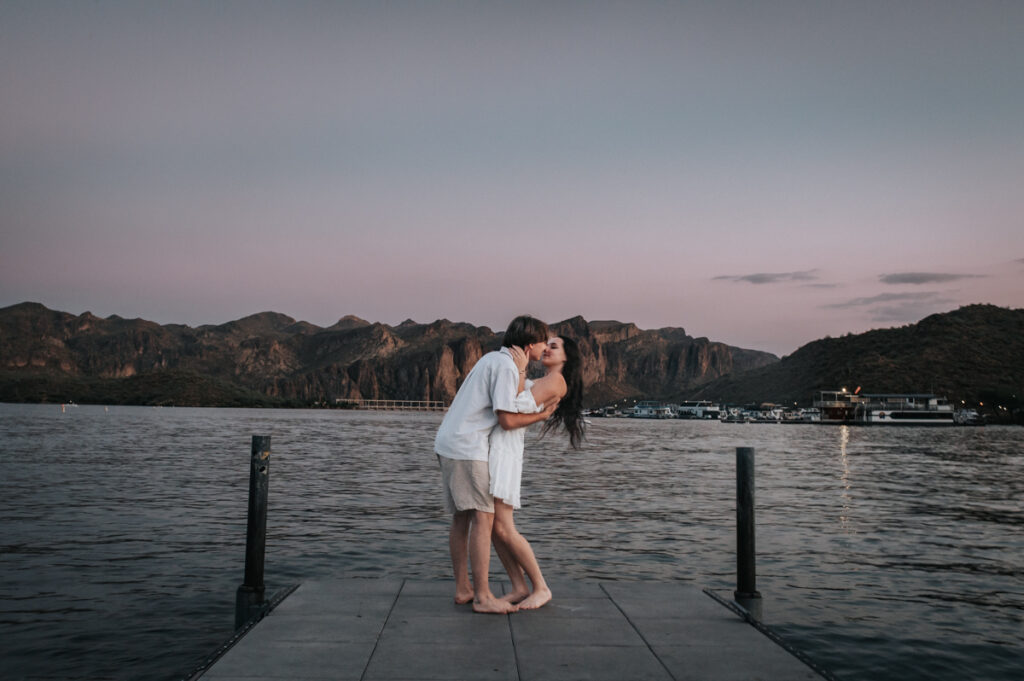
(844,512)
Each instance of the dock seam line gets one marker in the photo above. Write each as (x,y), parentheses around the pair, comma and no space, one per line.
(638,633)
(515,648)
(381,632)
(772,635)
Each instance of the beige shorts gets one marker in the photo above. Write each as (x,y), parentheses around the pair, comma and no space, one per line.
(466,485)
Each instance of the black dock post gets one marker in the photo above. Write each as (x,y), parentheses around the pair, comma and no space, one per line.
(746,593)
(249,599)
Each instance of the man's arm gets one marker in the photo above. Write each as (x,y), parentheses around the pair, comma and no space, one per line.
(511,420)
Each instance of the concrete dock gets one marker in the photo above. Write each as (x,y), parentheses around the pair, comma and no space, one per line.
(389,628)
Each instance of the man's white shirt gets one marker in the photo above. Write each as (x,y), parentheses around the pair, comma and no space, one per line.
(490,387)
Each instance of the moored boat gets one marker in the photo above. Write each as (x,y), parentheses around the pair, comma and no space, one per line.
(890,409)
(968,417)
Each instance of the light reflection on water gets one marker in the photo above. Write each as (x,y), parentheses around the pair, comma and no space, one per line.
(884,554)
(844,515)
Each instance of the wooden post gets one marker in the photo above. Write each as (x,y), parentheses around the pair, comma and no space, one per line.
(250,596)
(746,574)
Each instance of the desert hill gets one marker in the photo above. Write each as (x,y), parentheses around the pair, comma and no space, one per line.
(272,359)
(974,354)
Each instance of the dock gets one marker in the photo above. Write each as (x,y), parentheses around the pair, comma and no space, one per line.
(393,405)
(365,629)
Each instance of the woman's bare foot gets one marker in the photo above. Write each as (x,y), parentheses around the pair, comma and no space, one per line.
(493,606)
(536,599)
(516,596)
(463,597)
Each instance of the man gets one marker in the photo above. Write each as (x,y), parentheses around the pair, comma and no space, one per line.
(485,399)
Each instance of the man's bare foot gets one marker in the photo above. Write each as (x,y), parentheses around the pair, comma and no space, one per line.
(516,596)
(493,606)
(463,597)
(536,599)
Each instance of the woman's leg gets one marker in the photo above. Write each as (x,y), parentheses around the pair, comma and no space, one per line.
(520,589)
(506,533)
(479,561)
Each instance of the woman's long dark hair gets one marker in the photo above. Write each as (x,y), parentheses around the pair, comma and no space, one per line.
(567,414)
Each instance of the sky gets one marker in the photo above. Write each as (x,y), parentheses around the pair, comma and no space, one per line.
(762,174)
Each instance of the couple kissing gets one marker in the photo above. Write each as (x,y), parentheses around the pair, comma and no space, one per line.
(479,446)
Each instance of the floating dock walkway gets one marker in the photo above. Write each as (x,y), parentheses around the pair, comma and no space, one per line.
(390,628)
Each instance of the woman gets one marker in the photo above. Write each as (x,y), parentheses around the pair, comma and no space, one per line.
(562,383)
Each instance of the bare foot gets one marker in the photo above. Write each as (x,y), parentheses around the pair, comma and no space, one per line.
(516,596)
(493,606)
(463,597)
(536,599)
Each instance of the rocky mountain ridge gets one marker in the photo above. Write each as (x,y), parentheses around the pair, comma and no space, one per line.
(270,358)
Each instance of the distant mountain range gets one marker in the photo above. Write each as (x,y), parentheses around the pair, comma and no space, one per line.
(974,354)
(270,359)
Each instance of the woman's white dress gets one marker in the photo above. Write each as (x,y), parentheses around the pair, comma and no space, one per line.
(505,457)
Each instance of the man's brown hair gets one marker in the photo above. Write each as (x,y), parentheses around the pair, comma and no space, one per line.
(524,330)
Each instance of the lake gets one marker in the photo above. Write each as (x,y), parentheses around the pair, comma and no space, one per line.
(882,553)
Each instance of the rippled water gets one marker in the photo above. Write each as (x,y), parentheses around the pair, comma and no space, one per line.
(883,554)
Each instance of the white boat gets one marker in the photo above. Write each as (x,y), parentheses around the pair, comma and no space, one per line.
(968,417)
(698,409)
(809,415)
(651,409)
(735,416)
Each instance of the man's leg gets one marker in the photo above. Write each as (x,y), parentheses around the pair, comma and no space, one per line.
(458,545)
(480,561)
(505,531)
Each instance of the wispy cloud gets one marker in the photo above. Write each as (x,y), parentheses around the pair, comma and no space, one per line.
(897,307)
(884,298)
(925,277)
(770,277)
(820,285)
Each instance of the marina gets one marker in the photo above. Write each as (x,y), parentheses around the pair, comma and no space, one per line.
(830,407)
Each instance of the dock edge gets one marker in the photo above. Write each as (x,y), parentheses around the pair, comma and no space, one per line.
(212,658)
(771,634)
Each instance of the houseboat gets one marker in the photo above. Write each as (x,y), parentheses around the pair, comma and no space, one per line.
(893,409)
(650,409)
(698,409)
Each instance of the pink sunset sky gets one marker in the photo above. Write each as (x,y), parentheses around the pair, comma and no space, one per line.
(763,174)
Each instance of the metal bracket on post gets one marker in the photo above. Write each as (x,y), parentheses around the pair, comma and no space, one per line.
(250,598)
(746,593)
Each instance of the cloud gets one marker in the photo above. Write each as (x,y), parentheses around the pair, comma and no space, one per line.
(924,277)
(884,298)
(897,307)
(770,278)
